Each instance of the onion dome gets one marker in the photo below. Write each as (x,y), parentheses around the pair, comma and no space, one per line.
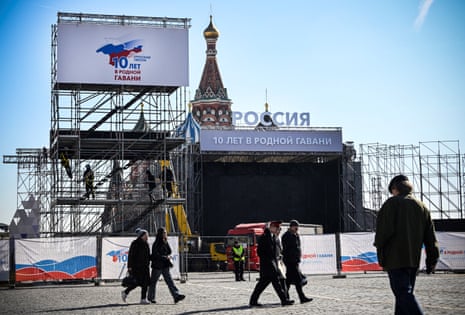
(141,125)
(211,31)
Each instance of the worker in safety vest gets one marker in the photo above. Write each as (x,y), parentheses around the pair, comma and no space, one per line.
(88,179)
(238,254)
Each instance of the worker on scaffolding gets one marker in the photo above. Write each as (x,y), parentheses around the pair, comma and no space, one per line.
(151,184)
(64,159)
(167,178)
(88,179)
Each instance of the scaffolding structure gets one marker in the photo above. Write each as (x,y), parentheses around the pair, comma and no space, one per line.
(120,132)
(33,183)
(354,219)
(435,168)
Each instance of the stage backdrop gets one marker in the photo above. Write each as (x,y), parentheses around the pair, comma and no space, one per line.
(42,259)
(358,252)
(236,193)
(4,260)
(115,256)
(318,254)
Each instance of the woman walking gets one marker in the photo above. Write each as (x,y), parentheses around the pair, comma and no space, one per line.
(138,265)
(161,264)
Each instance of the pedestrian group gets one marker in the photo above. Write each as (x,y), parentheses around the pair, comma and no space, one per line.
(139,259)
(403,227)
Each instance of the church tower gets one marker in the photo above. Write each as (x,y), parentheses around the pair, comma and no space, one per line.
(211,105)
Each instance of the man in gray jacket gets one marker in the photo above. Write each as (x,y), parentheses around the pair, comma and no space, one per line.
(403,226)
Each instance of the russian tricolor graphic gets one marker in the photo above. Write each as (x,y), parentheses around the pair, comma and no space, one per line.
(79,267)
(367,261)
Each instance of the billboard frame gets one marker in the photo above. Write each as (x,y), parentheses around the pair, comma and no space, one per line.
(112,20)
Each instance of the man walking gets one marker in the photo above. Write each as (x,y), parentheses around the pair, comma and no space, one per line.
(403,226)
(291,256)
(269,251)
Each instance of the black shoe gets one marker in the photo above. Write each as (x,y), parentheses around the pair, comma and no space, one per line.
(286,294)
(153,301)
(306,300)
(179,297)
(243,279)
(287,302)
(255,304)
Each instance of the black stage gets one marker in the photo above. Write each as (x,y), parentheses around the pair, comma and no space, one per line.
(236,193)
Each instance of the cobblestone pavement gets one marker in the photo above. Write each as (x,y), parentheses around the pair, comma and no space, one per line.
(218,293)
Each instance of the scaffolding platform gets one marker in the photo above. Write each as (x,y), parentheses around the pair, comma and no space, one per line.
(97,145)
(107,202)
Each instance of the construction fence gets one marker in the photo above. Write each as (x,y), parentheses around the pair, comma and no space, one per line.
(96,258)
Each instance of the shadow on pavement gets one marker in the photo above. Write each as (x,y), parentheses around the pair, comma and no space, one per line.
(86,307)
(234,308)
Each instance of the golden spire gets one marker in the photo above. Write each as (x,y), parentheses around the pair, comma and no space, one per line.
(266,100)
(211,31)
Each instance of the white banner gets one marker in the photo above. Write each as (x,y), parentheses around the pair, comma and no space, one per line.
(122,55)
(318,254)
(4,260)
(358,252)
(41,259)
(115,256)
(271,140)
(451,251)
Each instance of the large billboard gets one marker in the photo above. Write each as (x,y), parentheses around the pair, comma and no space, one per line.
(271,140)
(97,54)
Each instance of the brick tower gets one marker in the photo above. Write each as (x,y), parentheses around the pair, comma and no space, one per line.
(211,105)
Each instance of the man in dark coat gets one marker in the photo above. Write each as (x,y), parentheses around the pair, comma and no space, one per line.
(403,226)
(138,265)
(291,256)
(269,251)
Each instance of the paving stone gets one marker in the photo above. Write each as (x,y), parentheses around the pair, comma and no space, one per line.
(218,293)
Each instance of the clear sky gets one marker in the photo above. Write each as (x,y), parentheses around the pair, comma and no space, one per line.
(386,71)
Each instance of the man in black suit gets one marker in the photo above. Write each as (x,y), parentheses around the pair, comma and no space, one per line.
(269,251)
(292,253)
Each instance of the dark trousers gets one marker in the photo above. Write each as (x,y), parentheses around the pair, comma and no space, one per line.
(156,273)
(239,270)
(143,293)
(402,283)
(262,283)
(293,276)
(90,190)
(299,289)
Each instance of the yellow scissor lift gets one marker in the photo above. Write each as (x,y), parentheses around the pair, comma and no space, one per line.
(196,256)
(175,215)
(177,208)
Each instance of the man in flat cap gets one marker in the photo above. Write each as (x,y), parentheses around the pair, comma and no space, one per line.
(269,251)
(403,226)
(292,253)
